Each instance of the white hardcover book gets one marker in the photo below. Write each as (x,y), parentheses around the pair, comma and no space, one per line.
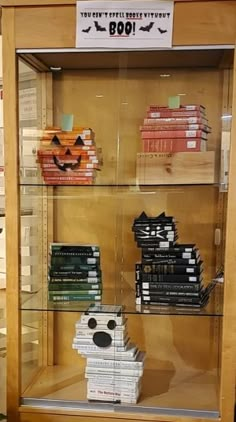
(93,348)
(131,389)
(119,371)
(113,378)
(124,384)
(89,333)
(129,353)
(116,363)
(87,341)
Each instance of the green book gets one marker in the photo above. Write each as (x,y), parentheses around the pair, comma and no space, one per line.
(75,292)
(73,286)
(73,297)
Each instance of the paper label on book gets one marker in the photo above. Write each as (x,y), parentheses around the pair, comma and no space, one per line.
(192,278)
(191,133)
(186,255)
(189,270)
(191,144)
(129,24)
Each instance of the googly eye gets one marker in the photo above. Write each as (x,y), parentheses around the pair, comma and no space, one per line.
(111,324)
(92,323)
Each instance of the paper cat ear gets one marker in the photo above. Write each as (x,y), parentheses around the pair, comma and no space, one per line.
(55,140)
(143,216)
(163,214)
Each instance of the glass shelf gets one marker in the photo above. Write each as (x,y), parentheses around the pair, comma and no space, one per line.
(131,185)
(38,302)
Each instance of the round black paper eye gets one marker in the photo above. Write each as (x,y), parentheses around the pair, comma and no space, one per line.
(111,324)
(92,323)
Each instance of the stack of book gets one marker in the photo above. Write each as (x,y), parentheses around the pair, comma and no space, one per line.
(114,365)
(183,129)
(74,273)
(69,158)
(169,273)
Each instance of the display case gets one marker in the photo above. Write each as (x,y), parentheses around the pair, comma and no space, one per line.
(110,204)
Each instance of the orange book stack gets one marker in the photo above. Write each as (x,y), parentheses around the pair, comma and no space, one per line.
(68,158)
(183,129)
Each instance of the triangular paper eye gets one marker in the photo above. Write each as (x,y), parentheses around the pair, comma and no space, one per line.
(55,140)
(79,141)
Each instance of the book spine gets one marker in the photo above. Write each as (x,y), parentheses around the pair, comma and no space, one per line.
(175,113)
(78,253)
(173,145)
(166,278)
(145,293)
(114,370)
(170,299)
(175,120)
(146,242)
(48,162)
(170,269)
(78,174)
(59,261)
(169,287)
(67,178)
(64,274)
(72,286)
(105,363)
(160,260)
(67,182)
(172,134)
(174,127)
(73,297)
(95,349)
(178,249)
(188,107)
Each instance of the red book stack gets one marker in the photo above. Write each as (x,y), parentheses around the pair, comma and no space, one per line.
(183,129)
(68,158)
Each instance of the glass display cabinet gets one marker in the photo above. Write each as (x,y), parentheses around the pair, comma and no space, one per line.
(120,219)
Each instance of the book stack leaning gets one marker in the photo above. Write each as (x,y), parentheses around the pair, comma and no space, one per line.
(74,273)
(169,273)
(114,365)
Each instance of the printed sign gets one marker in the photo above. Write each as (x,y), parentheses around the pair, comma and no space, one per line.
(28,104)
(124,24)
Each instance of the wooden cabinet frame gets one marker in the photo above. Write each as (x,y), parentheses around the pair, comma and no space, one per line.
(29,24)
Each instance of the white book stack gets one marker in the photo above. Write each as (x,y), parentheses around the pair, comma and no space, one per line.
(114,365)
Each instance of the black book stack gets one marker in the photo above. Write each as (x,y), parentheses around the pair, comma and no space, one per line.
(74,273)
(169,273)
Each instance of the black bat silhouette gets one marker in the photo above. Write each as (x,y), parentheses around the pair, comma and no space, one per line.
(87,29)
(162,31)
(99,27)
(66,166)
(146,28)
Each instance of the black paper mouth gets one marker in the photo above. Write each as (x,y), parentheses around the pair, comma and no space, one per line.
(102,339)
